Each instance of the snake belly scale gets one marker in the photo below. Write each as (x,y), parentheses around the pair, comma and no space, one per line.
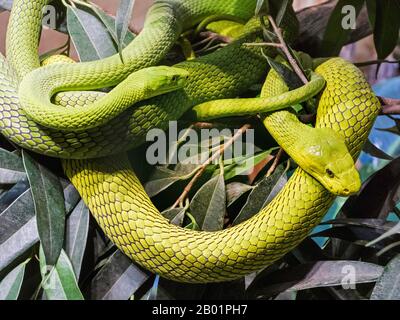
(124,211)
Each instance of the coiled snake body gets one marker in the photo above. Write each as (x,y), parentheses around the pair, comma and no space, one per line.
(114,194)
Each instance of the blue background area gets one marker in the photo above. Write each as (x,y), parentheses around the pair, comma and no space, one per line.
(388,142)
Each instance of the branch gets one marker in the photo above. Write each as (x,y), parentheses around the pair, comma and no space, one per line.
(286,51)
(203,167)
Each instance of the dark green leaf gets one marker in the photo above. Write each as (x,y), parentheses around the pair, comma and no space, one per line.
(76,233)
(109,23)
(374,151)
(10,286)
(91,39)
(235,190)
(208,206)
(386,26)
(262,194)
(11,168)
(48,199)
(118,279)
(314,275)
(59,282)
(175,215)
(336,36)
(387,287)
(244,166)
(18,231)
(378,195)
(394,130)
(284,5)
(291,78)
(164,178)
(124,15)
(392,231)
(262,7)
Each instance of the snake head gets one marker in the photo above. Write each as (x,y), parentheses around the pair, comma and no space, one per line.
(330,162)
(162,79)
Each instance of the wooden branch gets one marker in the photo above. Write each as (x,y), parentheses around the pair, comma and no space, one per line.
(313,21)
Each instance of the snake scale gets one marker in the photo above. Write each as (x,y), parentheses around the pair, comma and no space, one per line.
(109,186)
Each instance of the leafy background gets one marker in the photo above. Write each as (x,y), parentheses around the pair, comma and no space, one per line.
(51,248)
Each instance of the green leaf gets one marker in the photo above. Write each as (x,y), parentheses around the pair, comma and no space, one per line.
(262,7)
(18,231)
(235,190)
(10,286)
(124,16)
(11,168)
(77,227)
(175,215)
(315,275)
(386,25)
(244,165)
(89,36)
(284,5)
(49,206)
(59,282)
(387,287)
(291,79)
(262,194)
(109,22)
(163,178)
(118,279)
(335,36)
(208,206)
(387,234)
(374,151)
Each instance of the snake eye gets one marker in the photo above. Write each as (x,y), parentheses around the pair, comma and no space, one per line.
(330,173)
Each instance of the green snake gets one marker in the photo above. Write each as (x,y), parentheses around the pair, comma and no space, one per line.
(110,188)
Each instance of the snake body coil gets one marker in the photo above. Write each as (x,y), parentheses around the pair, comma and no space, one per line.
(114,194)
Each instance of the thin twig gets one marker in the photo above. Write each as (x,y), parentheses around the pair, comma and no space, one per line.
(203,167)
(213,35)
(274,165)
(264,44)
(286,51)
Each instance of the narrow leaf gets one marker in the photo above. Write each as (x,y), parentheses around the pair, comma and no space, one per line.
(77,227)
(118,279)
(386,27)
(339,27)
(388,285)
(49,205)
(89,36)
(208,206)
(11,168)
(10,286)
(374,151)
(315,275)
(124,16)
(262,194)
(59,282)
